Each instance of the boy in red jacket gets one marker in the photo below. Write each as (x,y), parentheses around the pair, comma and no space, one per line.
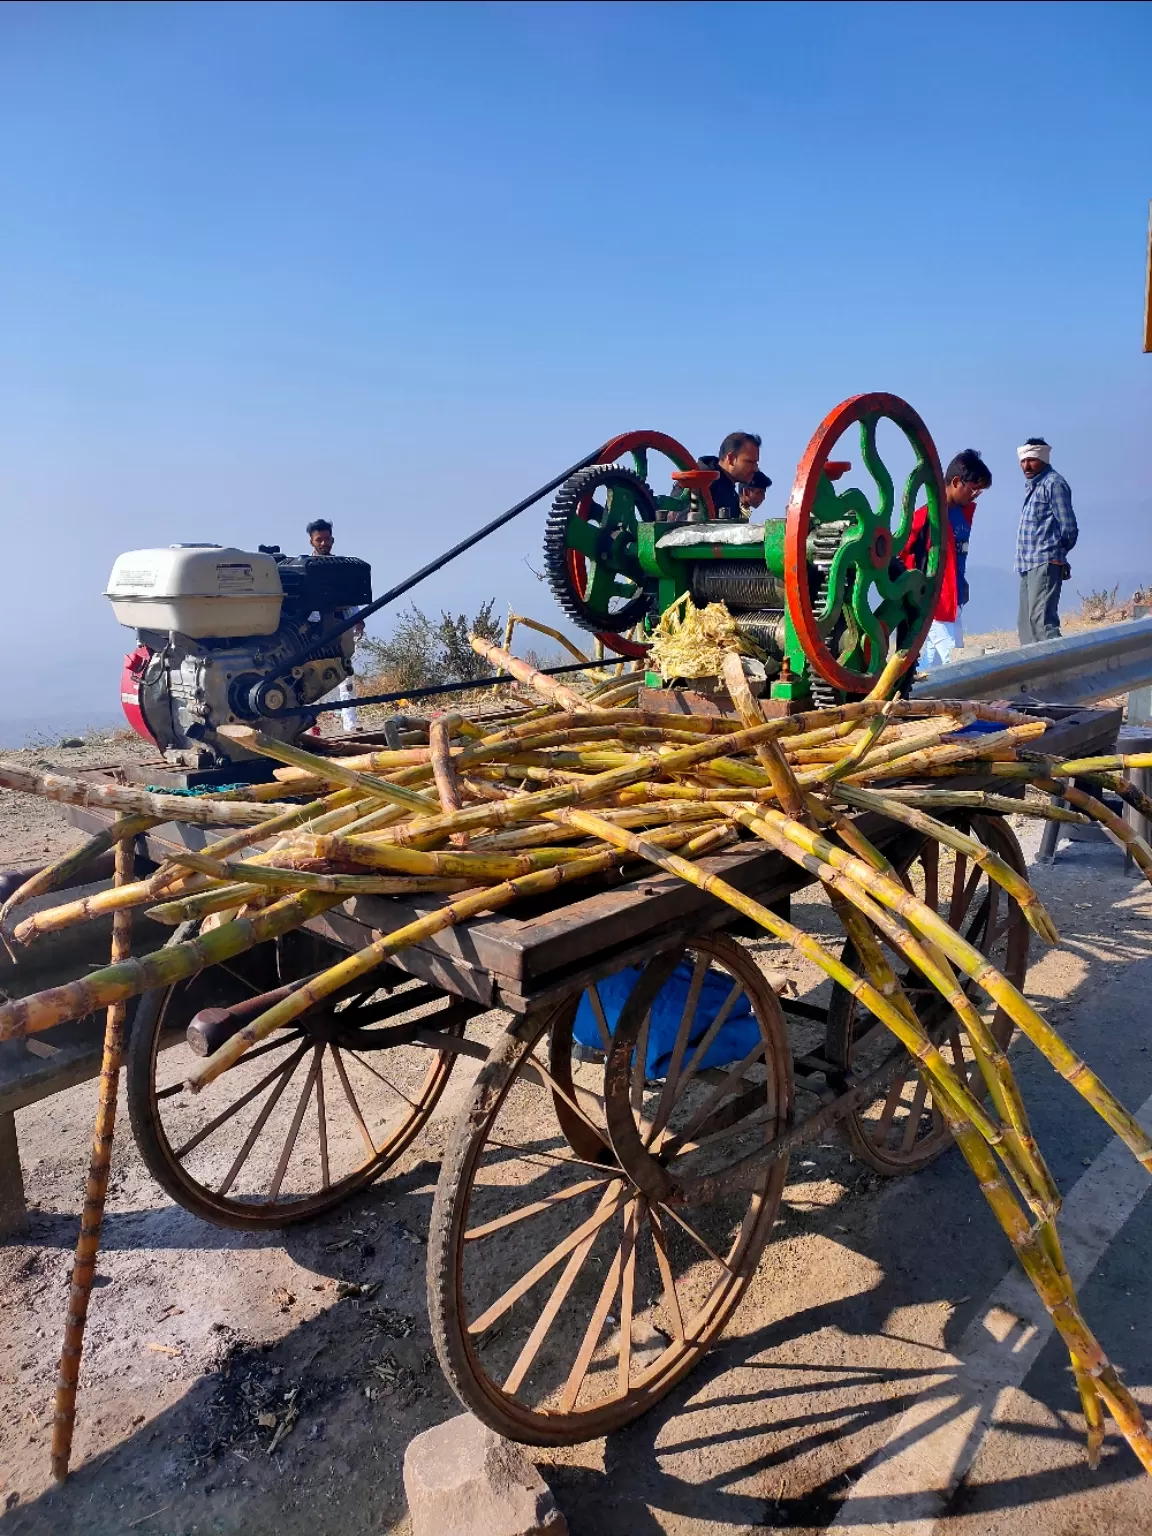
(966,476)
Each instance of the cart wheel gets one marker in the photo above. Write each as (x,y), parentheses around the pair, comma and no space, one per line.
(903,1131)
(565,1298)
(301,1121)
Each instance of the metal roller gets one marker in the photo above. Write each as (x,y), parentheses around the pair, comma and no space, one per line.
(765,629)
(739,583)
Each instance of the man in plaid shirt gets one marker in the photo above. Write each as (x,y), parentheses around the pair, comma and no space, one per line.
(1047,532)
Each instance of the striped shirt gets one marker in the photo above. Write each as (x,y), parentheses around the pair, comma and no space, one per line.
(1047,522)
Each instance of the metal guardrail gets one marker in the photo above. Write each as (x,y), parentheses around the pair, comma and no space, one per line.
(1078,669)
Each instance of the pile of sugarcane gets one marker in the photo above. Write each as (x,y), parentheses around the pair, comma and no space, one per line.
(489,814)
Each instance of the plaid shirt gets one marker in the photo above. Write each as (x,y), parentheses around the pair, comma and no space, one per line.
(1047,522)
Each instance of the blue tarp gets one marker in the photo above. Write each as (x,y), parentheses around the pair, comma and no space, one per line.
(735,1038)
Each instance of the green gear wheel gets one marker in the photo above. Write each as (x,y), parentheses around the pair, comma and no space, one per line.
(590,548)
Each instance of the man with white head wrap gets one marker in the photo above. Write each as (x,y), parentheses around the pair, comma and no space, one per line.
(1047,532)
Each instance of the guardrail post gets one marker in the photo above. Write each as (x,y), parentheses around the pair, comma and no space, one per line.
(13,1210)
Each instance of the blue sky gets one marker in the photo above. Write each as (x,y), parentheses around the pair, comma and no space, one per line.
(398,264)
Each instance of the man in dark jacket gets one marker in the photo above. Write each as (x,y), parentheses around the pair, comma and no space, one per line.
(736,463)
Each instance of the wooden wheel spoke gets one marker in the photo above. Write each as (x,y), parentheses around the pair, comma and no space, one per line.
(695,1236)
(664,1263)
(593,994)
(285,1073)
(628,1297)
(713,1030)
(568,1098)
(667,1099)
(523,1212)
(596,1326)
(549,1314)
(731,1078)
(930,862)
(914,1113)
(957,906)
(283,1037)
(895,1094)
(285,1067)
(294,1128)
(399,1092)
(322,1125)
(607,1208)
(553,1157)
(342,1073)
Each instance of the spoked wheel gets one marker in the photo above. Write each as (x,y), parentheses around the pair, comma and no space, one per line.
(847,589)
(902,1130)
(566,1297)
(599,599)
(315,1112)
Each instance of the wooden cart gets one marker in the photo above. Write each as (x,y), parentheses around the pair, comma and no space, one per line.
(599,1212)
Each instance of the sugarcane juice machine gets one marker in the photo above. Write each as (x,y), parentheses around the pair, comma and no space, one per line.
(822,593)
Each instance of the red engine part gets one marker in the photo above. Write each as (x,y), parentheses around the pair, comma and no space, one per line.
(132,690)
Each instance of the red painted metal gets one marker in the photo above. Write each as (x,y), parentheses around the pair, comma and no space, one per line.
(131,690)
(804,491)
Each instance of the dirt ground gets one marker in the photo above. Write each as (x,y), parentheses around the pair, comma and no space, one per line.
(236,1382)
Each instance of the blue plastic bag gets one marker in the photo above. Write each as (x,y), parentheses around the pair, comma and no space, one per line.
(734,1039)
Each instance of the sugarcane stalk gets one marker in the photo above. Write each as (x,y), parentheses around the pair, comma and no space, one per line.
(547,687)
(856,754)
(328,768)
(69,914)
(115,983)
(994,867)
(910,764)
(1023,1160)
(1119,828)
(891,673)
(440,752)
(217,898)
(969,960)
(196,809)
(831,819)
(1039,1251)
(980,800)
(62,870)
(769,754)
(96,1193)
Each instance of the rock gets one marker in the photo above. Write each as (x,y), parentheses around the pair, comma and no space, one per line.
(462,1479)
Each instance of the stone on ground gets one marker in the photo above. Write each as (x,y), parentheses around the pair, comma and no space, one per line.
(462,1479)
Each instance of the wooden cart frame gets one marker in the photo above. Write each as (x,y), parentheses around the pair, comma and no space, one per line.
(651,1194)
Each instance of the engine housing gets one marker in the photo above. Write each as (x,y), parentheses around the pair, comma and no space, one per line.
(197,672)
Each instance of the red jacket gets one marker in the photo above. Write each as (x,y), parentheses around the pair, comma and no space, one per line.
(954,587)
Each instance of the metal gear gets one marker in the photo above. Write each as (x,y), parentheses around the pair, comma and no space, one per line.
(611,535)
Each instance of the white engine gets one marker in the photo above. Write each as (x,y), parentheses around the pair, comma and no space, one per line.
(225,636)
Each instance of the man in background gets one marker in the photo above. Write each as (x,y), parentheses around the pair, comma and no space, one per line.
(321,539)
(1046,534)
(966,477)
(320,536)
(752,494)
